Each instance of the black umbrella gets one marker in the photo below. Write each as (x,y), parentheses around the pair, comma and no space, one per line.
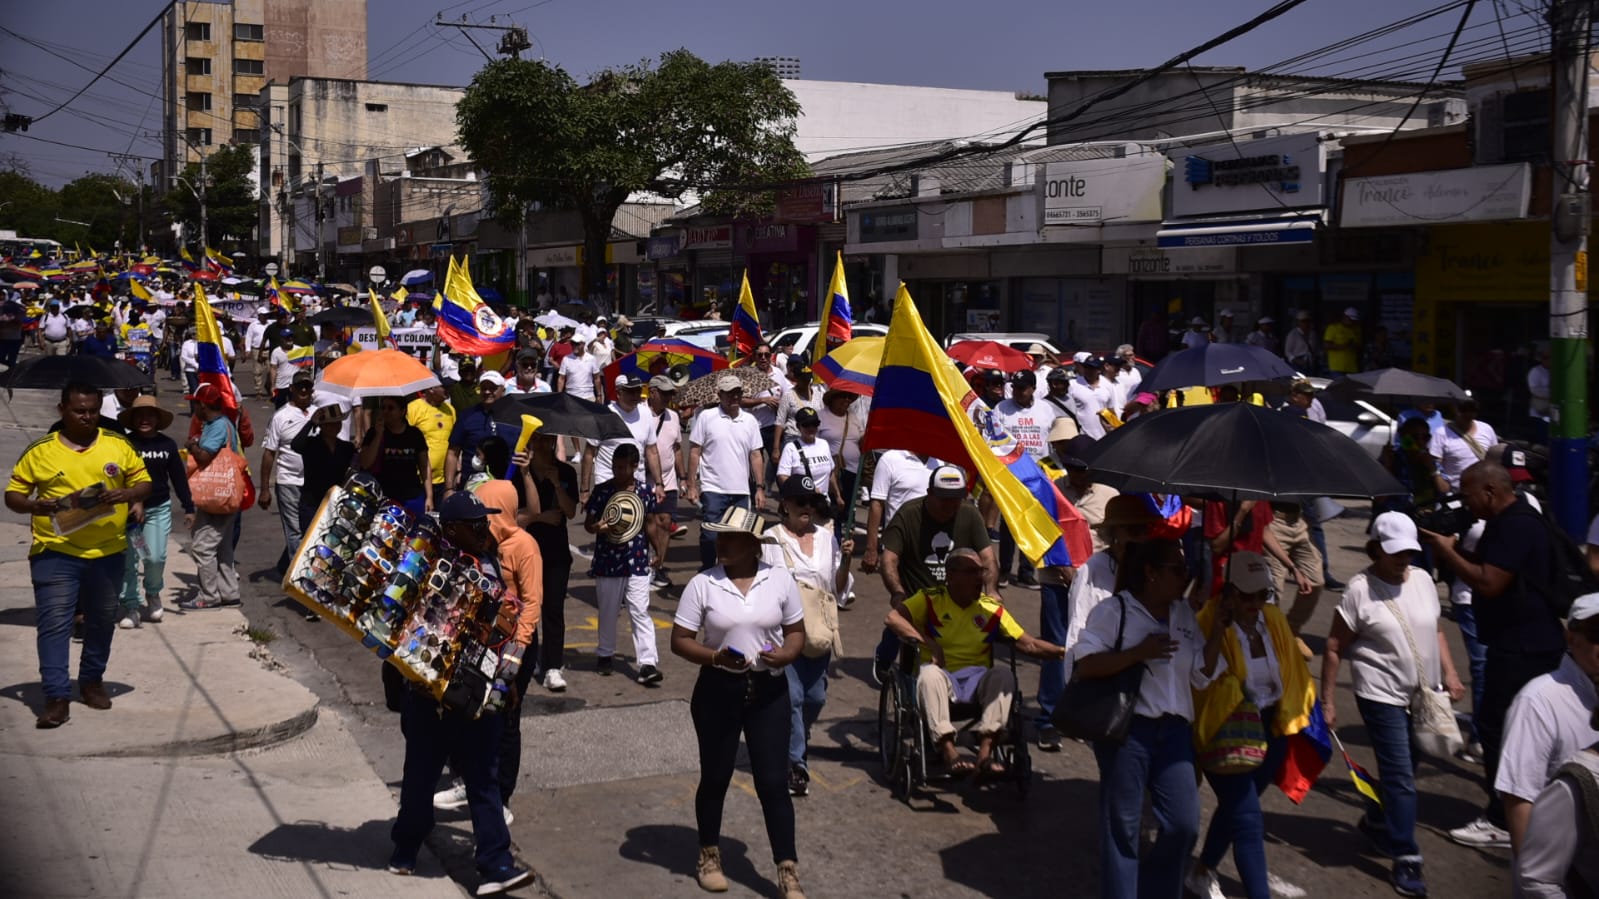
(1398,385)
(562,413)
(343,316)
(1215,364)
(55,372)
(1236,451)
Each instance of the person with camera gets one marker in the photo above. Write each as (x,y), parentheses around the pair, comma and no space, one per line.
(1508,574)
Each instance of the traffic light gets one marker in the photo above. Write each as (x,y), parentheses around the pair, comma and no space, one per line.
(16,122)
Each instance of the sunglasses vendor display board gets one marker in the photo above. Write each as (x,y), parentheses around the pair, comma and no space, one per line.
(392,582)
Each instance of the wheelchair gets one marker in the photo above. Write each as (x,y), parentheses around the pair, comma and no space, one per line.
(906,749)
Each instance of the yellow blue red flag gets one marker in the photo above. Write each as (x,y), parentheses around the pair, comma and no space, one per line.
(465,323)
(837,319)
(213,366)
(744,334)
(380,321)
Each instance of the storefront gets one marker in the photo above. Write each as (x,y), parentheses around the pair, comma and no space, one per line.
(781,260)
(662,284)
(715,275)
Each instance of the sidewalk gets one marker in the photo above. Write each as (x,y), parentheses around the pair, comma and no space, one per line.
(212,775)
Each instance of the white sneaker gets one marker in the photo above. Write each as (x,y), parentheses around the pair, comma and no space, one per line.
(1203,883)
(451,799)
(1282,889)
(509,818)
(128,621)
(153,614)
(1482,834)
(554,681)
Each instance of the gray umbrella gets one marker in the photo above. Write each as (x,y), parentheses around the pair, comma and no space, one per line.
(1398,385)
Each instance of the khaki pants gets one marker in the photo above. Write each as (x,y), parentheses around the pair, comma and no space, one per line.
(57,347)
(263,374)
(994,693)
(1294,536)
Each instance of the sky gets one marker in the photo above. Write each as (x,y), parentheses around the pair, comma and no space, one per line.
(993,44)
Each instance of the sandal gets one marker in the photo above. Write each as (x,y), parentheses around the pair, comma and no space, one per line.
(961,767)
(994,768)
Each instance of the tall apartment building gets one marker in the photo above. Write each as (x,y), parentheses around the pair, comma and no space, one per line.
(217,55)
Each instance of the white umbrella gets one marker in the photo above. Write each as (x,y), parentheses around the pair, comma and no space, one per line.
(416,276)
(555,320)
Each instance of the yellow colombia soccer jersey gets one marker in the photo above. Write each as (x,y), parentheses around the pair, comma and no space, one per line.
(967,635)
(49,469)
(435,423)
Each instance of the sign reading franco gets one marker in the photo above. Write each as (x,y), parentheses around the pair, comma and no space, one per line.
(1480,194)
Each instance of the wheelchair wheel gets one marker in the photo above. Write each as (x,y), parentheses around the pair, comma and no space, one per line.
(891,736)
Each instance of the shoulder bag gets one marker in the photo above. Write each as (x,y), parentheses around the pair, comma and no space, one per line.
(1433,728)
(821,613)
(223,486)
(1101,708)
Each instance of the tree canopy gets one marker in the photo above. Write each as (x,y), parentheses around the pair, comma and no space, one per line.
(230,200)
(683,126)
(105,205)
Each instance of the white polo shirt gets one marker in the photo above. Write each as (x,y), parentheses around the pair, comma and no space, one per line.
(725,443)
(1087,402)
(899,478)
(1169,684)
(1454,454)
(286,424)
(749,622)
(1547,726)
(641,423)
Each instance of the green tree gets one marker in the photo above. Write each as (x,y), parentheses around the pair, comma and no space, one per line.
(29,208)
(230,201)
(684,126)
(97,201)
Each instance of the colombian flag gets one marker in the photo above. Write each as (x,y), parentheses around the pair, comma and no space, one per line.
(187,261)
(380,321)
(139,291)
(744,334)
(923,404)
(208,341)
(217,262)
(1365,784)
(466,323)
(837,320)
(1308,754)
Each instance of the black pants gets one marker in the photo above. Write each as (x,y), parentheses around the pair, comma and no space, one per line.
(511,734)
(756,705)
(1506,673)
(549,641)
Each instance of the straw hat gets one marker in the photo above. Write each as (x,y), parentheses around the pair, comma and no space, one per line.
(163,416)
(740,521)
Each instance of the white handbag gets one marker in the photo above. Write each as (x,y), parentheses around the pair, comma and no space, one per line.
(1433,728)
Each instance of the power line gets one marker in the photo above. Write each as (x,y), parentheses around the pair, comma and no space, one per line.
(125,50)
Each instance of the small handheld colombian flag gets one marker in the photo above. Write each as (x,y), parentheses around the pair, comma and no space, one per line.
(837,320)
(744,334)
(1365,784)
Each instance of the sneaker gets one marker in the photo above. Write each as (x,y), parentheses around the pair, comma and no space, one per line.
(129,621)
(708,870)
(799,781)
(509,817)
(1203,883)
(199,605)
(788,884)
(503,881)
(1332,583)
(402,864)
(1407,879)
(846,599)
(231,603)
(602,666)
(312,617)
(1282,889)
(1480,833)
(679,530)
(554,681)
(1026,581)
(1049,738)
(649,675)
(153,612)
(659,580)
(451,799)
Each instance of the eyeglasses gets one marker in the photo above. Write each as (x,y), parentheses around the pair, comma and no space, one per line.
(763,355)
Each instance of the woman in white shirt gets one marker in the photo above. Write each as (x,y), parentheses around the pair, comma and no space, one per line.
(1386,676)
(818,562)
(743,621)
(843,416)
(1147,623)
(809,456)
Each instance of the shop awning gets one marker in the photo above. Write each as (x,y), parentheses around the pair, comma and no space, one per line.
(1277,229)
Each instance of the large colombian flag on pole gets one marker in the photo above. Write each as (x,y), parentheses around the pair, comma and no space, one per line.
(744,334)
(923,404)
(838,322)
(466,323)
(208,347)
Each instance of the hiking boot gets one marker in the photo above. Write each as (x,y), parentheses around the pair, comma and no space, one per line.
(94,694)
(788,885)
(708,870)
(56,712)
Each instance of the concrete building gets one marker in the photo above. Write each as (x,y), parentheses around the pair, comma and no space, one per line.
(216,56)
(847,116)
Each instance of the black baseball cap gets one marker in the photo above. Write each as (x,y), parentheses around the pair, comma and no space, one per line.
(464,506)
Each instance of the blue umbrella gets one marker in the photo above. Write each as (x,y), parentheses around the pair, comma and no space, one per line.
(1215,364)
(490,295)
(416,276)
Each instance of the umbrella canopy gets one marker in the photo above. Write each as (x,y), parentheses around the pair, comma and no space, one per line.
(1215,364)
(343,288)
(852,366)
(26,285)
(416,276)
(702,391)
(299,287)
(54,372)
(1398,385)
(658,357)
(1230,451)
(342,316)
(562,414)
(376,373)
(555,320)
(203,274)
(987,354)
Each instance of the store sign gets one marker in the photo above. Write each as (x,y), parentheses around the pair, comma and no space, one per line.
(553,257)
(1100,191)
(350,235)
(662,247)
(1483,194)
(1153,262)
(807,204)
(772,237)
(1271,173)
(889,223)
(713,237)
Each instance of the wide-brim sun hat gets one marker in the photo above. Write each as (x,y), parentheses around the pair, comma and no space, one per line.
(737,520)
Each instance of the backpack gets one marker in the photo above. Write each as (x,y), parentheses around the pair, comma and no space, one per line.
(1569,573)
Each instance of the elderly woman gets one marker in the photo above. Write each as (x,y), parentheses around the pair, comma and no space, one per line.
(742,621)
(1389,615)
(1264,668)
(820,563)
(843,416)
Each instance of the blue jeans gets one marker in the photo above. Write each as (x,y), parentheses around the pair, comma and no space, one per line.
(1053,615)
(1476,656)
(807,693)
(712,505)
(1318,539)
(473,750)
(287,496)
(1238,821)
(60,584)
(151,549)
(1389,729)
(1158,757)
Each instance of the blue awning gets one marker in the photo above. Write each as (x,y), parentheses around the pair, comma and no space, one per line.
(1289,229)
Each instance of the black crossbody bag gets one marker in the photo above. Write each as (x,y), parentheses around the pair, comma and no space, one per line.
(1100,709)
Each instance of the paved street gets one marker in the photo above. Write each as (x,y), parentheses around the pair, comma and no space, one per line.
(605,806)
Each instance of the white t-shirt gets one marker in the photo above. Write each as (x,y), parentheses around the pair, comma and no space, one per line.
(1087,402)
(1547,726)
(722,616)
(286,425)
(1169,684)
(1454,454)
(1029,425)
(515,387)
(1538,382)
(766,416)
(667,435)
(1193,339)
(1382,666)
(157,322)
(796,454)
(1593,531)
(282,372)
(189,355)
(819,569)
(55,327)
(899,478)
(791,402)
(579,374)
(641,422)
(843,432)
(725,444)
(1094,583)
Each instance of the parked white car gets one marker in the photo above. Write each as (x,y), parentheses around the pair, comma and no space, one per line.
(1358,420)
(1016,340)
(798,339)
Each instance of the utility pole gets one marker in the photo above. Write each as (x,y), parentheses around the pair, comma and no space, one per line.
(321,263)
(137,165)
(1570,21)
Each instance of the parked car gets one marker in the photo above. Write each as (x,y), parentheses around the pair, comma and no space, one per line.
(709,335)
(798,339)
(1019,340)
(1358,420)
(644,328)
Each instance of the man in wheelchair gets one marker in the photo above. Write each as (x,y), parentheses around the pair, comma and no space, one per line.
(956,626)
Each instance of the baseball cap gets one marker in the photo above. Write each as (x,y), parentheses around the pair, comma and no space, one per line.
(662,383)
(1247,572)
(1514,460)
(1058,374)
(807,418)
(728,382)
(1265,320)
(1081,356)
(1093,362)
(302,377)
(1303,315)
(1197,320)
(206,394)
(1395,533)
(629,382)
(1146,399)
(528,356)
(799,486)
(1352,313)
(1225,313)
(464,506)
(264,310)
(1024,379)
(491,377)
(1583,608)
(1077,451)
(947,482)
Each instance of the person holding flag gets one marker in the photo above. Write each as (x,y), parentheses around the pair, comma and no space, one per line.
(744,333)
(837,320)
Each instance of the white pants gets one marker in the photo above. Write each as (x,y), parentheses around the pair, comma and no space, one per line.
(610,591)
(994,693)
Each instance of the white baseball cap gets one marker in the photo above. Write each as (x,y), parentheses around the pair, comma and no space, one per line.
(1247,572)
(1352,313)
(1583,608)
(1395,533)
(492,377)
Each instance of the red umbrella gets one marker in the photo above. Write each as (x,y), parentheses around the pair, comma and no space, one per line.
(987,354)
(142,268)
(203,274)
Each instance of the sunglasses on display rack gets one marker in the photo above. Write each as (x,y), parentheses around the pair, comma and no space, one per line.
(339,534)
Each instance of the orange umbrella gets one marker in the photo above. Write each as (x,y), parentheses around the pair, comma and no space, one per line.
(377,373)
